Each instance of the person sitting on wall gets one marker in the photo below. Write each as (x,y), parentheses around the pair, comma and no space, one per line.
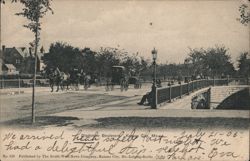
(186,80)
(147,97)
(158,83)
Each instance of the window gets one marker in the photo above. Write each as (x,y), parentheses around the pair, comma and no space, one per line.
(17,61)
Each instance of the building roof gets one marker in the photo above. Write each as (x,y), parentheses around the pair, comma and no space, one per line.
(21,50)
(10,66)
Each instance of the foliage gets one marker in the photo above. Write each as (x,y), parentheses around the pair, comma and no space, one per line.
(211,62)
(195,61)
(67,57)
(3,1)
(63,56)
(244,14)
(106,58)
(244,64)
(135,63)
(218,62)
(200,62)
(35,10)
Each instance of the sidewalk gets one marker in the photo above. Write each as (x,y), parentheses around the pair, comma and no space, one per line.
(145,117)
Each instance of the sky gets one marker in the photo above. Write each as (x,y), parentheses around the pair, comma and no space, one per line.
(172,27)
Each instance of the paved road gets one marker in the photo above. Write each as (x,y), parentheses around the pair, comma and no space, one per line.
(115,109)
(14,106)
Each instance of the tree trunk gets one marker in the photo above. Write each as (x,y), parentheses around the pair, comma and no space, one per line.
(34,76)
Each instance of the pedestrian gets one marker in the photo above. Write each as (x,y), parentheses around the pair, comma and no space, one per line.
(158,83)
(147,97)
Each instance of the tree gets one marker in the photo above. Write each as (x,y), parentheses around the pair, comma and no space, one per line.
(88,60)
(105,59)
(133,63)
(33,11)
(210,62)
(195,61)
(244,14)
(218,62)
(244,64)
(3,1)
(63,56)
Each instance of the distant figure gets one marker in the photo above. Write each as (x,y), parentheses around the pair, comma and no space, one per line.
(186,80)
(170,83)
(179,78)
(192,77)
(158,83)
(57,71)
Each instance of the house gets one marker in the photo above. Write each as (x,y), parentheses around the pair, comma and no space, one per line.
(21,58)
(9,69)
(15,56)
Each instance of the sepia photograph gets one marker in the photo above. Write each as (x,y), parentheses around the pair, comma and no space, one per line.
(124,80)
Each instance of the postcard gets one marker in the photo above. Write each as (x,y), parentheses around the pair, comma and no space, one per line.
(124,80)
